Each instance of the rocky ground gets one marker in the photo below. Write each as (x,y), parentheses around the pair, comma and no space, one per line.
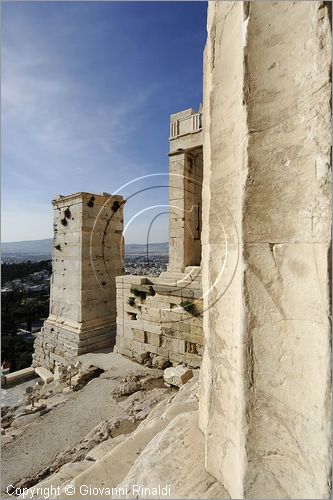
(124,427)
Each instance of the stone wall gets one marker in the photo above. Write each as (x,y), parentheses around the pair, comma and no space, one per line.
(155,319)
(88,252)
(185,188)
(193,207)
(185,209)
(265,378)
(159,319)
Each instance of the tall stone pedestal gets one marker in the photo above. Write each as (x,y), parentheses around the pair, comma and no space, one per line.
(88,252)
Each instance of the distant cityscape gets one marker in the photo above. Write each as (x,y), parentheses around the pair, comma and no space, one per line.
(143,265)
(140,260)
(39,281)
(36,282)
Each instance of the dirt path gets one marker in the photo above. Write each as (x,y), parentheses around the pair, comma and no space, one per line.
(42,440)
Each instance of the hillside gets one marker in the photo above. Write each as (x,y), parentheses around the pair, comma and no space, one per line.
(43,248)
(31,247)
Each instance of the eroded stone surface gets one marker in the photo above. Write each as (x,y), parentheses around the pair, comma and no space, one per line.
(265,379)
(167,448)
(88,252)
(264,401)
(156,323)
(175,457)
(177,375)
(161,317)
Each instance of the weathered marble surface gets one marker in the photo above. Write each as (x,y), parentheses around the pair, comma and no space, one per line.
(88,253)
(156,323)
(265,385)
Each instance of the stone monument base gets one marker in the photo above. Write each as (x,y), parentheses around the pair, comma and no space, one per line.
(155,317)
(62,342)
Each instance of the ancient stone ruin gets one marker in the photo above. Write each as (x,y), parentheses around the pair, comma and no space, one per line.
(88,253)
(159,318)
(247,289)
(265,377)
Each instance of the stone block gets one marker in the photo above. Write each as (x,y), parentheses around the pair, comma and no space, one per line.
(128,333)
(138,335)
(181,346)
(142,357)
(154,349)
(175,358)
(177,376)
(153,338)
(44,374)
(19,375)
(160,362)
(193,360)
(162,351)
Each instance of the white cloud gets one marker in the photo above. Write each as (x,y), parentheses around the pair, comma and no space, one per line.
(58,134)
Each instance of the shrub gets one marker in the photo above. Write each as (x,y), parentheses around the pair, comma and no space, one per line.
(131,301)
(189,307)
(139,293)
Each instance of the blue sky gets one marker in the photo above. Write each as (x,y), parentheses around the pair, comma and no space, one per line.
(87,90)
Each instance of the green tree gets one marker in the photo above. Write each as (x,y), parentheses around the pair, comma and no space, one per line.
(34,308)
(17,351)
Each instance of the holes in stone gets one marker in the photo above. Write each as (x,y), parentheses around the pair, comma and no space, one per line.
(67,213)
(132,316)
(191,347)
(91,202)
(115,206)
(131,301)
(139,293)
